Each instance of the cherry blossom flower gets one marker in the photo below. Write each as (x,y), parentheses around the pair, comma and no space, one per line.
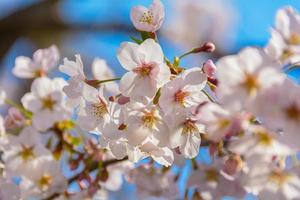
(143,121)
(117,172)
(21,150)
(219,123)
(196,22)
(77,86)
(46,180)
(283,113)
(185,130)
(268,181)
(242,77)
(212,184)
(42,62)
(154,183)
(183,92)
(284,44)
(258,140)
(147,71)
(148,19)
(45,101)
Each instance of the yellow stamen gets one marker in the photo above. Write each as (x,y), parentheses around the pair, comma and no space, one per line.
(180,97)
(280,178)
(251,84)
(48,103)
(294,39)
(293,113)
(45,181)
(264,138)
(147,17)
(211,175)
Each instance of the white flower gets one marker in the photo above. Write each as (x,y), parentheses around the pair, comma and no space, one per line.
(77,86)
(183,91)
(45,101)
(185,130)
(218,122)
(243,76)
(143,121)
(147,70)
(268,181)
(101,71)
(20,151)
(148,19)
(116,175)
(259,141)
(196,22)
(42,62)
(284,111)
(284,44)
(46,180)
(154,183)
(211,183)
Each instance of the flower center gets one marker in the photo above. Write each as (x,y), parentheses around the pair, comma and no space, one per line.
(26,153)
(293,113)
(264,138)
(99,109)
(144,69)
(294,39)
(48,103)
(45,181)
(251,84)
(180,96)
(278,177)
(149,119)
(223,123)
(287,53)
(147,17)
(189,127)
(211,175)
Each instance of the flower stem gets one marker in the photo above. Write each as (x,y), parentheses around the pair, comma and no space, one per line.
(109,80)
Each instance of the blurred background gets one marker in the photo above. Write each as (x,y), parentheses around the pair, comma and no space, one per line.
(95,28)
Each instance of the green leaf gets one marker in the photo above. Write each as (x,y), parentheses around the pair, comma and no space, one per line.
(136,40)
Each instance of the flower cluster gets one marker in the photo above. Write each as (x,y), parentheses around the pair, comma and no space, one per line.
(244,109)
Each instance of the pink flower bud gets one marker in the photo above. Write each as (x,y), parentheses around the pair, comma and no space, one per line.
(209,68)
(207,47)
(123,100)
(14,119)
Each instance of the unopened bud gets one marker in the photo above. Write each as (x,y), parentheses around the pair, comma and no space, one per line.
(207,47)
(209,68)
(123,100)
